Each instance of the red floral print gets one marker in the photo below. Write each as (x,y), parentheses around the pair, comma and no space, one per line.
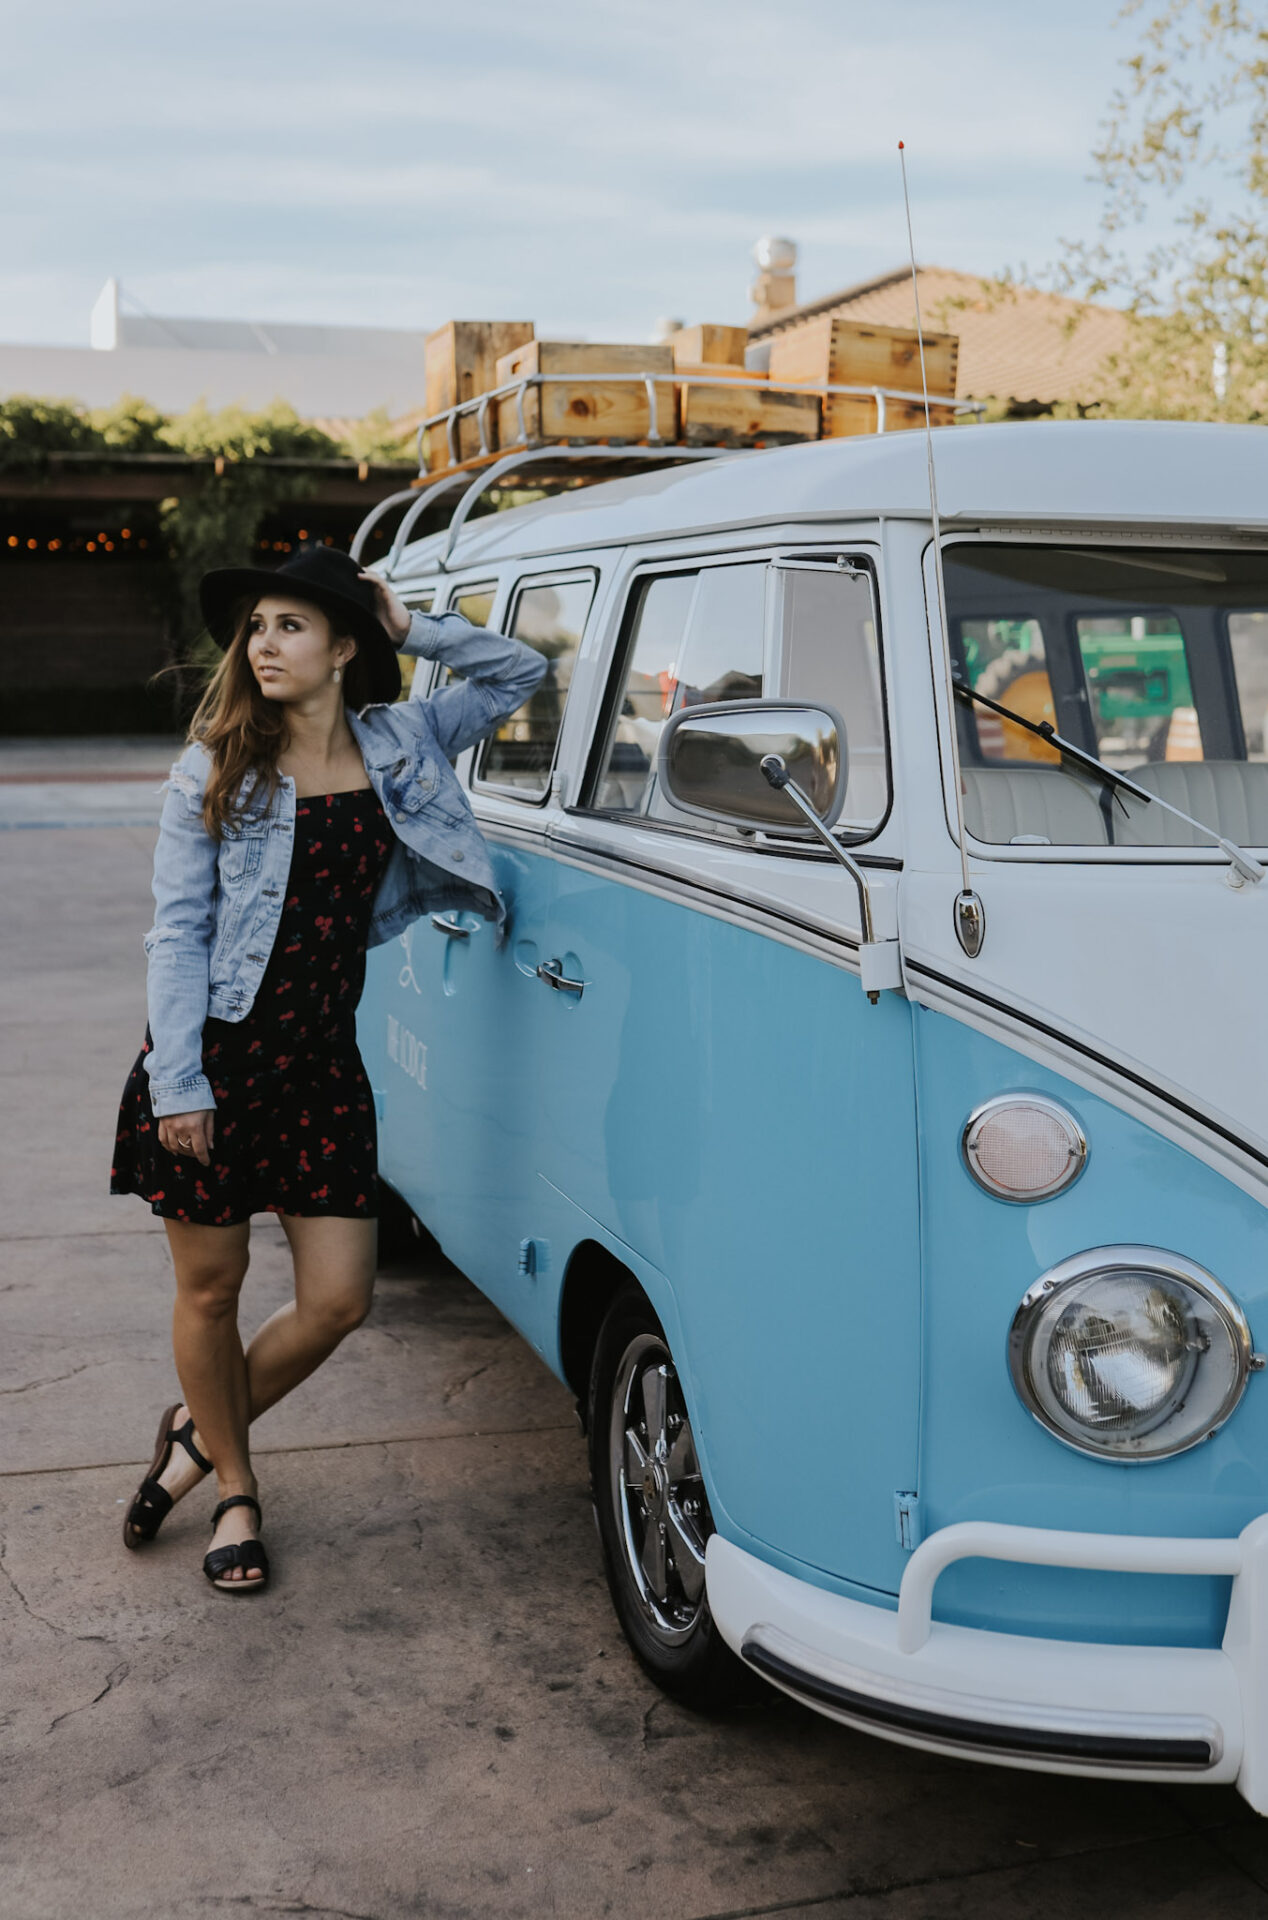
(306,1081)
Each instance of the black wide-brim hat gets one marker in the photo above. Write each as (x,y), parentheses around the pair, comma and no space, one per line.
(330,580)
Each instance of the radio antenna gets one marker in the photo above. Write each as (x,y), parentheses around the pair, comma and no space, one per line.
(970,918)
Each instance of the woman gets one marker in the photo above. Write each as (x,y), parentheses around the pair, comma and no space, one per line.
(308,818)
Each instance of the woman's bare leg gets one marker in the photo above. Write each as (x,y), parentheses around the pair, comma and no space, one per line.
(210,1265)
(335,1262)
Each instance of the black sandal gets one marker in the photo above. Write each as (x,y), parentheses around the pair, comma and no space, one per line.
(246,1554)
(151,1503)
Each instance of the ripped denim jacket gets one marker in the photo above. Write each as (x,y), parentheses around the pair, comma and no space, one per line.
(218,903)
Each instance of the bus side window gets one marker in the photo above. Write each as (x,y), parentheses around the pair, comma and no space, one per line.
(645,695)
(474,604)
(829,650)
(697,638)
(550,616)
(414,684)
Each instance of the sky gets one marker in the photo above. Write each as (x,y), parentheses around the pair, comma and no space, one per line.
(591,165)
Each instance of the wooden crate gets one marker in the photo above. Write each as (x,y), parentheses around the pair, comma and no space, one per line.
(726,414)
(833,351)
(708,346)
(586,409)
(460,361)
(846,413)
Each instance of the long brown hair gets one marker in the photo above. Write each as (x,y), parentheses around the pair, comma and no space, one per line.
(244,732)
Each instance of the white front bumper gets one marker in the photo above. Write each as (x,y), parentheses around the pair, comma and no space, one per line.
(1056,1706)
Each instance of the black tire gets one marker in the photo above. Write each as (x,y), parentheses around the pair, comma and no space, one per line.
(662,1606)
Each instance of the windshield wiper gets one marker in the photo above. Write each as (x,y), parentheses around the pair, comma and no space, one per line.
(1243,862)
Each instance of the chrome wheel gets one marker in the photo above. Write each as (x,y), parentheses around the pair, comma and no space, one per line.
(657,1491)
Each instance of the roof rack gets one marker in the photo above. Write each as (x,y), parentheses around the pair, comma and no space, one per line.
(477,476)
(517,389)
(484,469)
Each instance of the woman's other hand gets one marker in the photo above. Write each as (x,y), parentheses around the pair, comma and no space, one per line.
(391,611)
(191,1133)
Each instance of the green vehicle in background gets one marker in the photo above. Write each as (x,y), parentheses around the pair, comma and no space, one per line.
(1134,676)
(1136,671)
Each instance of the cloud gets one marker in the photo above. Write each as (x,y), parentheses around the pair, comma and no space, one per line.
(588,162)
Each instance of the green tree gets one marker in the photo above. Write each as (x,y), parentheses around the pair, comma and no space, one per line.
(31,430)
(131,425)
(375,438)
(1184,147)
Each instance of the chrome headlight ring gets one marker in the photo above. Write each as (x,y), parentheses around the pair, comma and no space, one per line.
(1130,1353)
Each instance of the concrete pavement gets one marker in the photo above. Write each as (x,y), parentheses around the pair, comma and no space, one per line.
(431,1711)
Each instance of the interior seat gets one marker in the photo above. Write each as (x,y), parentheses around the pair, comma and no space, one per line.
(1229,795)
(1006,803)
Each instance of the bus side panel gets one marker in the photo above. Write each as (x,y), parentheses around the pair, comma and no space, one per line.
(733,1108)
(450,1029)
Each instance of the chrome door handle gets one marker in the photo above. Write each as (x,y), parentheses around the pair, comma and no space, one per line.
(551,971)
(451,927)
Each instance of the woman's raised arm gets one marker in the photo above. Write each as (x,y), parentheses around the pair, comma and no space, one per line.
(497,673)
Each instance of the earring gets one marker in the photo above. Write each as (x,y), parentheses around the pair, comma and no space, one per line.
(335,676)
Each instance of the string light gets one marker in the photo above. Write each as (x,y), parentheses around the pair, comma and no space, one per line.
(104,541)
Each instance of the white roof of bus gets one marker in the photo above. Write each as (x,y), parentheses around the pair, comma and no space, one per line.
(1080,472)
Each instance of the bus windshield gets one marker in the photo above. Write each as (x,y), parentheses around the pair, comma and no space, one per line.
(1155,661)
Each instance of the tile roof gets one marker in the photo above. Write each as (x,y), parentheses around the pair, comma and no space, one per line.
(1015,344)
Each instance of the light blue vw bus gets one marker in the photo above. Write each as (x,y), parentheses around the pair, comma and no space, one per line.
(865,1115)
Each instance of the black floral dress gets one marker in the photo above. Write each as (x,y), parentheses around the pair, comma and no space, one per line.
(295,1125)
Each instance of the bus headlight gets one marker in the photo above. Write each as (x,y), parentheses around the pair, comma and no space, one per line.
(1130,1353)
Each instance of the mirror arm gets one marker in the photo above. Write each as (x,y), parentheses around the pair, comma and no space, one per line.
(779,777)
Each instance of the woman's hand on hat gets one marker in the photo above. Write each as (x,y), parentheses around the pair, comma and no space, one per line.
(189,1133)
(391,611)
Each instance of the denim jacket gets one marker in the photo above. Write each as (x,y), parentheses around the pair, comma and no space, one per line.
(218,903)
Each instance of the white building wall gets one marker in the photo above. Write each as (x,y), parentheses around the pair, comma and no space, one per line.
(172,378)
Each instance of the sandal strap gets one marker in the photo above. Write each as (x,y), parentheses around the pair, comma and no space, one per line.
(247,1554)
(150,1504)
(237,1500)
(185,1435)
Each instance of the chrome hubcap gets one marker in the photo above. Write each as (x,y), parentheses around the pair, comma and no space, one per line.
(659,1495)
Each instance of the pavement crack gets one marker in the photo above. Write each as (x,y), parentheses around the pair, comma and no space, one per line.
(28,1609)
(460,1386)
(115,1678)
(398,1340)
(436,1437)
(254,1905)
(33,1386)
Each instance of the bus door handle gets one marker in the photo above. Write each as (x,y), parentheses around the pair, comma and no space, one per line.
(552,972)
(443,924)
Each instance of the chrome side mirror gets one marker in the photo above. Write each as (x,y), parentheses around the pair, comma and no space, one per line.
(783,766)
(710,762)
